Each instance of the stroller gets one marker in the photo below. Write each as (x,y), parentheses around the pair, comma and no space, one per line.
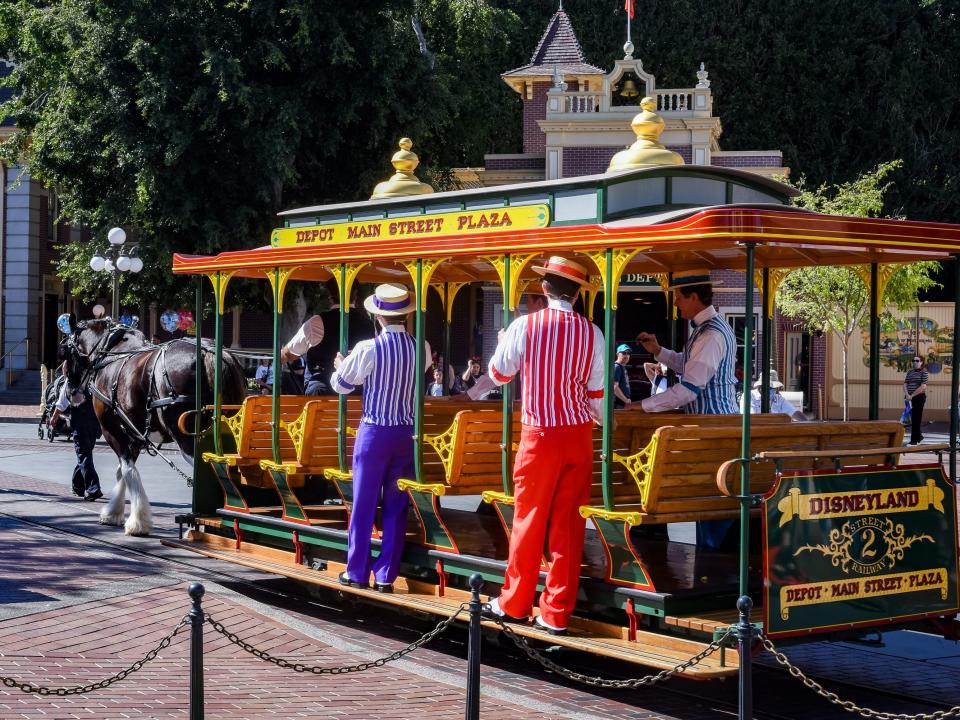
(62,426)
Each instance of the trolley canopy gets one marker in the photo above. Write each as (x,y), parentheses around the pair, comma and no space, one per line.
(680,217)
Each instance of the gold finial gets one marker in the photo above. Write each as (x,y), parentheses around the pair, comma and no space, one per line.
(647,150)
(404,182)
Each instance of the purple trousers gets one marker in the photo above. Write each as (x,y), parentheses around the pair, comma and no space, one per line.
(381,455)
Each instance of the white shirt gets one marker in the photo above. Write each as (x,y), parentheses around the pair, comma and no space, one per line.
(778,403)
(701,366)
(362,361)
(546,402)
(309,334)
(66,399)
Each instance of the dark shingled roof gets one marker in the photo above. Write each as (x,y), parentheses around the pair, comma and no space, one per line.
(558,48)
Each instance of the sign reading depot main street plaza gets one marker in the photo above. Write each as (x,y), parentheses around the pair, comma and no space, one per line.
(418,227)
(844,549)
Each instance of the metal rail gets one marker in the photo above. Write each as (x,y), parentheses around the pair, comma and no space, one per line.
(7,358)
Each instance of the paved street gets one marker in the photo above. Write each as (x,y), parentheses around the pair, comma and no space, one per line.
(80,602)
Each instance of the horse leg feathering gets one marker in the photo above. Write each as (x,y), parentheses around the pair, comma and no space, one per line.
(140,521)
(112,513)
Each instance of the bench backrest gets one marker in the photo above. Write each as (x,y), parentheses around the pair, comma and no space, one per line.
(685,464)
(477,457)
(255,439)
(632,432)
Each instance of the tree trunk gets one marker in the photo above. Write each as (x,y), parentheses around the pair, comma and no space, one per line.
(845,379)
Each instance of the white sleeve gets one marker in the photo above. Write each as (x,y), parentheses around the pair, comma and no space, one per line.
(701,366)
(595,378)
(508,357)
(672,359)
(63,399)
(309,334)
(355,368)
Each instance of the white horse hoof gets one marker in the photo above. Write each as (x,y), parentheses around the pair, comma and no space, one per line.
(108,519)
(135,528)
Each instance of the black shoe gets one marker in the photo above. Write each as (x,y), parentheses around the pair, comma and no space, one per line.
(344,580)
(95,495)
(383,587)
(539,624)
(78,491)
(488,614)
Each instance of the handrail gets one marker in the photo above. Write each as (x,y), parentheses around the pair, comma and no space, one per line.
(784,454)
(4,362)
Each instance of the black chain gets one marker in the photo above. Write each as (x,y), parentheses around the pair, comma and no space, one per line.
(81,689)
(360,667)
(631,683)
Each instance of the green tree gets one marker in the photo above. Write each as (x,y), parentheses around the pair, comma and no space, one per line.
(834,299)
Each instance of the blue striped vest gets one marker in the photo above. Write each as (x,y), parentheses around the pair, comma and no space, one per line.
(388,391)
(719,397)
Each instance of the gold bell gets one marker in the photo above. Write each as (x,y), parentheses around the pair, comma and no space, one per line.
(629,88)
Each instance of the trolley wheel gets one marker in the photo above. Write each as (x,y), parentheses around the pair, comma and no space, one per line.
(51,433)
(40,431)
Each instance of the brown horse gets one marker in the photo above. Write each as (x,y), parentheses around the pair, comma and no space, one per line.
(139,390)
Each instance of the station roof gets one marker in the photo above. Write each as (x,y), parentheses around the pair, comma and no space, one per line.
(558,48)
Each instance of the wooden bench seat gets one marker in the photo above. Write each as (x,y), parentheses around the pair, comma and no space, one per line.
(676,476)
(252,430)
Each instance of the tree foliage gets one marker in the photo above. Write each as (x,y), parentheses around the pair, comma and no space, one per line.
(191,123)
(827,298)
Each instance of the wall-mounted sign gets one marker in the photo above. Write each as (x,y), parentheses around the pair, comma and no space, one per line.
(859,548)
(467,222)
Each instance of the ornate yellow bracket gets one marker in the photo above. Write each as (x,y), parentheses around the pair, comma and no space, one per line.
(663,280)
(590,295)
(220,280)
(429,267)
(630,518)
(295,430)
(640,467)
(777,276)
(279,275)
(353,269)
(235,423)
(517,264)
(452,289)
(621,256)
(490,497)
(444,445)
(884,274)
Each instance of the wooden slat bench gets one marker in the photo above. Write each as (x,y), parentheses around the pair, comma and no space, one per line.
(252,431)
(465,460)
(632,432)
(676,477)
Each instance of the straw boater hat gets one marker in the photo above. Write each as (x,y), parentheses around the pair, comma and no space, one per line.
(562,267)
(686,278)
(774,381)
(390,300)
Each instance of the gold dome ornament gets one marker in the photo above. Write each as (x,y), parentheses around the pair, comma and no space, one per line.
(404,182)
(647,150)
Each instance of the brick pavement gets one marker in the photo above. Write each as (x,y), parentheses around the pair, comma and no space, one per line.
(79,611)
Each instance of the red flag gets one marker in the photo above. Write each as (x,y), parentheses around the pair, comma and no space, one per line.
(628,6)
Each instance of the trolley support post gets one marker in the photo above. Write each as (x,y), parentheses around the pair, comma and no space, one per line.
(744,604)
(506,438)
(473,649)
(344,339)
(196,591)
(767,347)
(447,315)
(609,338)
(874,406)
(275,405)
(218,358)
(954,377)
(672,326)
(420,369)
(198,391)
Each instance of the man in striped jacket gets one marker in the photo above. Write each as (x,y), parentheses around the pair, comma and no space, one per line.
(561,360)
(706,367)
(383,451)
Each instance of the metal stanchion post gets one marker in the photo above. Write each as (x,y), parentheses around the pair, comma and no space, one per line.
(744,643)
(473,650)
(196,652)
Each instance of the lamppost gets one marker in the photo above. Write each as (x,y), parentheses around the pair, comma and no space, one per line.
(119,257)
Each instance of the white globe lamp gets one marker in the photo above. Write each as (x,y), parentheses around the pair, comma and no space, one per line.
(136,264)
(117,236)
(97,262)
(123,263)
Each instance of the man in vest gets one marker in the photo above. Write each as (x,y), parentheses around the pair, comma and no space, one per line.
(560,356)
(383,451)
(302,346)
(706,367)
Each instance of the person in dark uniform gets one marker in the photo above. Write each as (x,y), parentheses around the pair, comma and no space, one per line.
(85,430)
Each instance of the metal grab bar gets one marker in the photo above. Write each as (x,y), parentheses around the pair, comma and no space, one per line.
(6,359)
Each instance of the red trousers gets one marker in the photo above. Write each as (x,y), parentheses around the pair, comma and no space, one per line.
(552,476)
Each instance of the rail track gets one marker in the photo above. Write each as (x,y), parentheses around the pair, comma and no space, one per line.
(715,698)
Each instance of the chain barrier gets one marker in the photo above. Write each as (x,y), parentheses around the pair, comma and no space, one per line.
(849,705)
(631,683)
(82,689)
(344,669)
